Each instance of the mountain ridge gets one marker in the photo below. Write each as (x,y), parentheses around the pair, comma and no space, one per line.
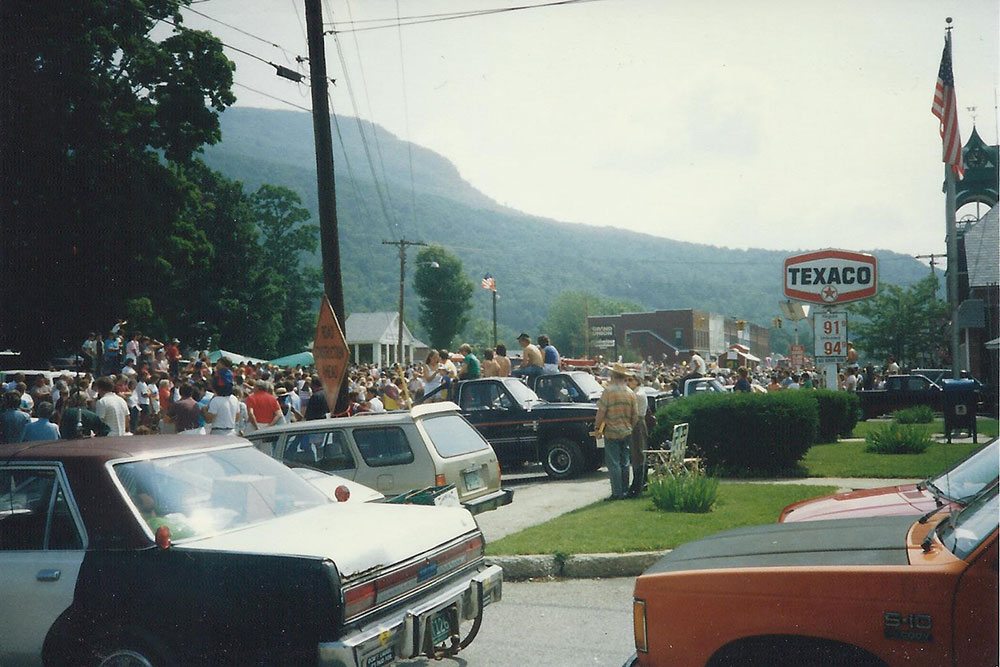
(441,207)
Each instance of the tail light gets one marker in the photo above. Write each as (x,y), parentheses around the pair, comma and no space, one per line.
(359,599)
(639,625)
(499,472)
(439,480)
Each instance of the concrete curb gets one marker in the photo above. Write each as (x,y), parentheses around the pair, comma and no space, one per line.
(580,566)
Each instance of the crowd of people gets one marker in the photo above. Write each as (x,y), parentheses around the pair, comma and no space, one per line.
(134,384)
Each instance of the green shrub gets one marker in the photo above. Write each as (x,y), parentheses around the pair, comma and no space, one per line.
(918,414)
(683,493)
(757,433)
(838,413)
(896,438)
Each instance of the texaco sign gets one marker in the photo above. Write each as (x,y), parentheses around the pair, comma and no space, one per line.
(830,277)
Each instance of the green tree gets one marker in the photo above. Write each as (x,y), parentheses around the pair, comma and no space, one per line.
(445,295)
(285,240)
(566,321)
(909,324)
(94,108)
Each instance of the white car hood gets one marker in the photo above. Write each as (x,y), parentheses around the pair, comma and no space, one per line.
(356,537)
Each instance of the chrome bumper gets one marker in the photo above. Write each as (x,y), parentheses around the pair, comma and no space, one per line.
(490,502)
(401,635)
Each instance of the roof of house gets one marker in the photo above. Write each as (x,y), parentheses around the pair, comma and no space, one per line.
(982,247)
(376,328)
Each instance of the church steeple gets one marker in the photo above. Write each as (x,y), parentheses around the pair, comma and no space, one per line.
(981,172)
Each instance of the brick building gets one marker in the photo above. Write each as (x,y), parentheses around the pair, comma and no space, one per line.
(670,335)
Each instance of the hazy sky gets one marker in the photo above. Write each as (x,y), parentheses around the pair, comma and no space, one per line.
(772,124)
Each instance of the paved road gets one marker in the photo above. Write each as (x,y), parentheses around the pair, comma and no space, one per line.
(549,624)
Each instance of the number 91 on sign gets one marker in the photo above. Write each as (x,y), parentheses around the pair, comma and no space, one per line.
(831,337)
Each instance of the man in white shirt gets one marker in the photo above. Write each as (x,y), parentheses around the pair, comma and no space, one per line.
(850,381)
(110,407)
(222,413)
(697,363)
(374,401)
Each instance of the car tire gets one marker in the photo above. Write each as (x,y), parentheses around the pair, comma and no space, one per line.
(563,459)
(129,650)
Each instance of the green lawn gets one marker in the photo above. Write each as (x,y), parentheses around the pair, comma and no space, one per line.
(634,525)
(849,459)
(987,427)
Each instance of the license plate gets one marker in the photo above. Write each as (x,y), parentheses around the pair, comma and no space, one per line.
(473,480)
(383,657)
(441,626)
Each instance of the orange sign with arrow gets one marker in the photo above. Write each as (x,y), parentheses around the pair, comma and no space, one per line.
(330,353)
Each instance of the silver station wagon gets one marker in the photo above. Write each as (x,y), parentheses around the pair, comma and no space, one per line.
(396,452)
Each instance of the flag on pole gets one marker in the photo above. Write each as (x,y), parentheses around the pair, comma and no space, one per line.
(945,108)
(489,283)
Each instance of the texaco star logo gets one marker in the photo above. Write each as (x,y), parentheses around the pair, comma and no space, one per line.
(829,294)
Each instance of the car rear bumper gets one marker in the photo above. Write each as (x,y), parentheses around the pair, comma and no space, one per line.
(490,501)
(404,633)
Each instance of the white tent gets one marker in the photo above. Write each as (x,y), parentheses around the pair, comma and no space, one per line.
(235,357)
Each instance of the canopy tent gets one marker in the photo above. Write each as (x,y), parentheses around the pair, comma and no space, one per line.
(235,357)
(298,359)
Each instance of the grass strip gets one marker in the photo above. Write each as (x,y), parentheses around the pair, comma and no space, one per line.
(849,459)
(635,525)
(986,426)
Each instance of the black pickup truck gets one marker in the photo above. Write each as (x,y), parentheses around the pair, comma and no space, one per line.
(901,391)
(522,427)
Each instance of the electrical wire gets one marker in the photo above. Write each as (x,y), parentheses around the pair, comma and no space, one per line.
(406,122)
(371,112)
(277,99)
(436,18)
(297,57)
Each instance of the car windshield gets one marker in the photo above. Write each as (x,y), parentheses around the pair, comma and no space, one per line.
(203,493)
(521,393)
(452,435)
(968,478)
(587,383)
(965,530)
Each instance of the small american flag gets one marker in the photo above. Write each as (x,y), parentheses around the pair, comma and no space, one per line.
(489,282)
(945,108)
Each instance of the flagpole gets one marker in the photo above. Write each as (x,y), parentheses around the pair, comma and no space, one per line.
(952,275)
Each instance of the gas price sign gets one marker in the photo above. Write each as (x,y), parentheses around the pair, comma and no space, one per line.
(831,337)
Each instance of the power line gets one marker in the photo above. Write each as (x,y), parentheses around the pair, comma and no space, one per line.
(277,99)
(297,57)
(280,70)
(436,18)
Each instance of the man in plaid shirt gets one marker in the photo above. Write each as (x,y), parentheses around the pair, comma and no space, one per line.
(617,415)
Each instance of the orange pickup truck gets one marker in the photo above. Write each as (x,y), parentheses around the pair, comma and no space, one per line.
(872,591)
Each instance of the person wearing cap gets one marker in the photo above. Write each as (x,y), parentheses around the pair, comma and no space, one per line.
(531,358)
(617,415)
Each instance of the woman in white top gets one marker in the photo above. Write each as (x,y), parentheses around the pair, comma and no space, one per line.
(432,375)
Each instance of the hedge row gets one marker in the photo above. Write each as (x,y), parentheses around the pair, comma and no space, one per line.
(758,432)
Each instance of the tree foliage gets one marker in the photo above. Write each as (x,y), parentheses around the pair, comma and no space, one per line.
(566,321)
(909,324)
(445,295)
(91,105)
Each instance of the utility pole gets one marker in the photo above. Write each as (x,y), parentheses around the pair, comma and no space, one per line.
(328,234)
(402,244)
(933,262)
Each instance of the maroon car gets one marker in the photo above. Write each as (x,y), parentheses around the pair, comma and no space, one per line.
(953,488)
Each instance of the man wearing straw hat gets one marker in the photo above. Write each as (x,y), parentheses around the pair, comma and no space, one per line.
(617,414)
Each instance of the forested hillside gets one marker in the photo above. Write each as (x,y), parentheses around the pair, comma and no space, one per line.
(533,259)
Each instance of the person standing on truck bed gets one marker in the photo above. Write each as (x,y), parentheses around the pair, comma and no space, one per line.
(617,414)
(531,358)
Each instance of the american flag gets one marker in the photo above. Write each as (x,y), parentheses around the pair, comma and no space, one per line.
(945,108)
(489,282)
